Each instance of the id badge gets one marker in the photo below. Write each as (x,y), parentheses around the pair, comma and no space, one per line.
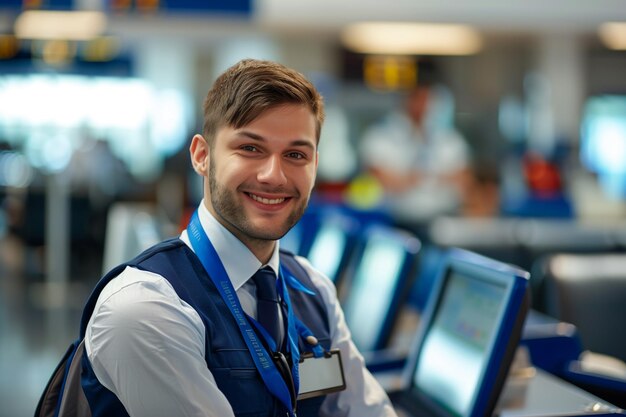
(321,376)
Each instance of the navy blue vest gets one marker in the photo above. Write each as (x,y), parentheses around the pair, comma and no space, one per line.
(227,355)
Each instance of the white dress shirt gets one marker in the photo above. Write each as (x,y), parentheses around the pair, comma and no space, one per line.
(397,146)
(147,345)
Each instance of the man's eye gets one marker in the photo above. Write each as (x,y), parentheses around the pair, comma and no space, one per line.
(249,148)
(295,155)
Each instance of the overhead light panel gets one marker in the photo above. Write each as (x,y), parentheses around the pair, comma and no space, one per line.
(60,25)
(613,35)
(400,38)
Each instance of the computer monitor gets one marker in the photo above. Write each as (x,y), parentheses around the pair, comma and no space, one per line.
(602,135)
(333,244)
(467,337)
(384,271)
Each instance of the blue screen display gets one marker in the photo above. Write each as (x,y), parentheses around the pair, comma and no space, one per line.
(603,142)
(372,290)
(458,344)
(328,250)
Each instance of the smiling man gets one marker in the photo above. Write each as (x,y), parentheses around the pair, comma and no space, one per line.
(220,322)
(266,172)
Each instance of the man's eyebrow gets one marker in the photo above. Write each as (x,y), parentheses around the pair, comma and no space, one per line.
(250,135)
(305,143)
(295,142)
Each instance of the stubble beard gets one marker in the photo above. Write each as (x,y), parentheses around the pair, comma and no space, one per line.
(233,214)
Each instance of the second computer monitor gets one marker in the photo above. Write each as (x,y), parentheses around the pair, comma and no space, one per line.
(383,269)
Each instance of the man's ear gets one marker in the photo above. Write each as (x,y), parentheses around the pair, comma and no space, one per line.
(199,153)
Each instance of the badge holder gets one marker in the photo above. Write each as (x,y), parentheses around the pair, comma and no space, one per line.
(321,375)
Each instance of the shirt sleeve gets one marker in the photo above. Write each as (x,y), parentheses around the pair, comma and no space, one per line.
(146,345)
(363,396)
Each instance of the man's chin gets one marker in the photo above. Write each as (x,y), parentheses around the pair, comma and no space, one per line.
(273,224)
(267,230)
(267,234)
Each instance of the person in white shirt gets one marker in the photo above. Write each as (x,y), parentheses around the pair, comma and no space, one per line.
(148,346)
(420,160)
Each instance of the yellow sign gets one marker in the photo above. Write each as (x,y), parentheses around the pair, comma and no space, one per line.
(390,73)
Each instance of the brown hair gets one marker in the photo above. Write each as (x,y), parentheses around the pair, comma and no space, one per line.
(249,88)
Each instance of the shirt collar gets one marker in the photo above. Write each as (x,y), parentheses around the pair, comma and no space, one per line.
(239,262)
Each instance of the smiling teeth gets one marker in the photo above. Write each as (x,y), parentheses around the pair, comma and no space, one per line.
(267,200)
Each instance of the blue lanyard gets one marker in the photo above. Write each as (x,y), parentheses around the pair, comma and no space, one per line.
(269,373)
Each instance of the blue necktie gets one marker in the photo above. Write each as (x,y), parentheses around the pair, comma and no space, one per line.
(268,305)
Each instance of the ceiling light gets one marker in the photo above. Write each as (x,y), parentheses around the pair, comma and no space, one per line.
(411,38)
(613,35)
(59,25)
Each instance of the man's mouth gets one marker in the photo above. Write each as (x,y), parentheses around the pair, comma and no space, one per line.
(268,201)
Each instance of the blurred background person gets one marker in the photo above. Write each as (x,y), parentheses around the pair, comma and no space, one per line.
(419,158)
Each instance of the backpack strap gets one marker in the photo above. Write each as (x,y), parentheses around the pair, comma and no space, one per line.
(73,401)
(65,385)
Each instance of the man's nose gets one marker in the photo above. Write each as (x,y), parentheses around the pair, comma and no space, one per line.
(272,172)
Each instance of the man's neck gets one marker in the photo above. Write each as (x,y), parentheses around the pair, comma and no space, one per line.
(262,249)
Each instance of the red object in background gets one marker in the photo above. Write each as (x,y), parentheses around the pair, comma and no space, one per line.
(542,176)
(186,217)
(331,192)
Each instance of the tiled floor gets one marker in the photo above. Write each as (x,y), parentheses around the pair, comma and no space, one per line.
(34,330)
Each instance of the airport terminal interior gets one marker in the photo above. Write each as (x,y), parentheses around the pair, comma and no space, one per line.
(495,128)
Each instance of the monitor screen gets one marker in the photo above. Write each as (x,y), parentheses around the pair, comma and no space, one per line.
(603,142)
(328,250)
(373,295)
(468,335)
(455,350)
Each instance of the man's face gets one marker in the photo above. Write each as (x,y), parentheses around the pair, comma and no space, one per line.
(417,103)
(261,175)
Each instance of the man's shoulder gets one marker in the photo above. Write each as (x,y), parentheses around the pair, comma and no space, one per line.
(167,246)
(133,284)
(294,265)
(298,265)
(138,271)
(318,281)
